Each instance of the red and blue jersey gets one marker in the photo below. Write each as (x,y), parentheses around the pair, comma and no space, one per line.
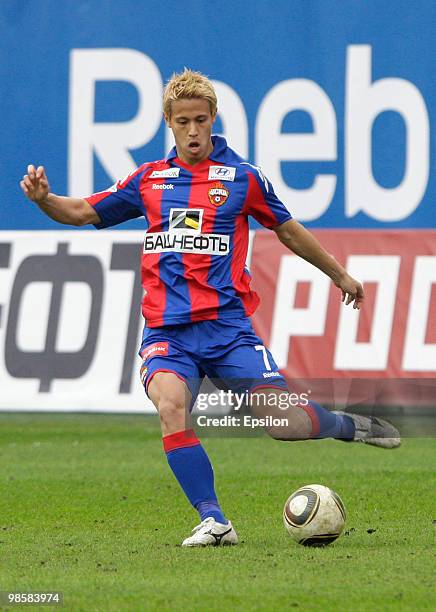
(195,247)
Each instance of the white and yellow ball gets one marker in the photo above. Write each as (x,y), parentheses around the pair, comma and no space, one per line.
(314,515)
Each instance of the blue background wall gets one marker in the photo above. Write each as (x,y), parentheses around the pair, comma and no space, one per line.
(249,45)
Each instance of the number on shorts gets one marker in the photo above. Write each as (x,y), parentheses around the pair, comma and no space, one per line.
(260,347)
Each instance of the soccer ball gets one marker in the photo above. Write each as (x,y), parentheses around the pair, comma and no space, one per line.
(314,515)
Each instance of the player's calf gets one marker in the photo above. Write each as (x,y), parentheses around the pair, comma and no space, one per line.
(185,455)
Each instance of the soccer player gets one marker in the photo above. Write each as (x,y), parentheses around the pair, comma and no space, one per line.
(197,297)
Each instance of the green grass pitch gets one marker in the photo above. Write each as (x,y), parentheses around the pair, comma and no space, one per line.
(89,507)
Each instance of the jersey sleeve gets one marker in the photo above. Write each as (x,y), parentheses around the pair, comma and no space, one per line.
(262,203)
(120,202)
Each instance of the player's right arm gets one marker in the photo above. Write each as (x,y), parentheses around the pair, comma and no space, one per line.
(70,211)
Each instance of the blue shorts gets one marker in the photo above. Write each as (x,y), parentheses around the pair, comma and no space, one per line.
(226,350)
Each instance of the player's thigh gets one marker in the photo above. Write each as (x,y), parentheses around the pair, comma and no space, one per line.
(245,367)
(169,388)
(171,380)
(172,398)
(183,370)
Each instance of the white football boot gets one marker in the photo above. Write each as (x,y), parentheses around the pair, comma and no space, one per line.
(372,430)
(211,533)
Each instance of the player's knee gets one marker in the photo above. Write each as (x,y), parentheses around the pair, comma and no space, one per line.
(171,409)
(292,424)
(283,421)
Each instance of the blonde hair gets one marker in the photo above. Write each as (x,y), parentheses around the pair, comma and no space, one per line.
(189,84)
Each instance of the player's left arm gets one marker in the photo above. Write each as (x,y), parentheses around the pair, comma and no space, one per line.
(303,243)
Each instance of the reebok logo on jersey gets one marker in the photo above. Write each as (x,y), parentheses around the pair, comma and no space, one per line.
(158,348)
(168,173)
(163,186)
(185,219)
(184,242)
(221,173)
(218,194)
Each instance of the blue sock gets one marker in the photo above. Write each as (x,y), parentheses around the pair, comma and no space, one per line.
(325,424)
(193,470)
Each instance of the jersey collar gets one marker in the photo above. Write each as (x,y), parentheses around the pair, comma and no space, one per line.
(218,153)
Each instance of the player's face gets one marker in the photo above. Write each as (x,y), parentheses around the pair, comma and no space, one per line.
(191,122)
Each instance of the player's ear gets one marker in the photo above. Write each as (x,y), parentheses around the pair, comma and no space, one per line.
(167,119)
(214,114)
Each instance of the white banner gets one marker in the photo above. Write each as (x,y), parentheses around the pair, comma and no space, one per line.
(70,321)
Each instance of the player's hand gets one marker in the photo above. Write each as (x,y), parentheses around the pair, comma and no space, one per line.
(35,184)
(352,291)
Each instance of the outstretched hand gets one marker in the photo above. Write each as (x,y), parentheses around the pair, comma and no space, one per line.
(352,291)
(35,184)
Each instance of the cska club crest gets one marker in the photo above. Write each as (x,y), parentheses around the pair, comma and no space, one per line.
(218,194)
